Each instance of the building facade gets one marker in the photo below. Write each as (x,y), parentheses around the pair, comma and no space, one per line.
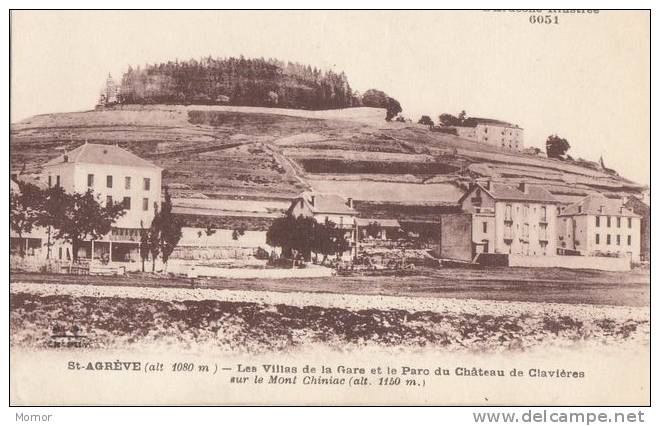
(493,132)
(329,208)
(115,175)
(643,209)
(512,220)
(600,226)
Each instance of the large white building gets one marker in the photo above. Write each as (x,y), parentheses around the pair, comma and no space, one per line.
(116,176)
(512,220)
(493,132)
(597,225)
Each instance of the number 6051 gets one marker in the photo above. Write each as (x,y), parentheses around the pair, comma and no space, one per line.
(543,19)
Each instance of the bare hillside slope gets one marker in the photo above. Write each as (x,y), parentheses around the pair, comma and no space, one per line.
(276,153)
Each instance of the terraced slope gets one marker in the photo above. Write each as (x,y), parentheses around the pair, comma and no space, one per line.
(249,152)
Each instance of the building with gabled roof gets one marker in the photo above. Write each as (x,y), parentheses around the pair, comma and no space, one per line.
(324,207)
(510,219)
(600,226)
(115,175)
(100,154)
(492,132)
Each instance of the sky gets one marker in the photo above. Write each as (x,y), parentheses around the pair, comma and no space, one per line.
(586,78)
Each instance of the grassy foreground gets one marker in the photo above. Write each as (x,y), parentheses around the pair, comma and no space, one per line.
(116,322)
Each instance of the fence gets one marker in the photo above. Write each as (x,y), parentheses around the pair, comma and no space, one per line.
(36,264)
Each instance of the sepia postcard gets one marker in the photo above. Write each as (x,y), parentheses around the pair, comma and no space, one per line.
(329,207)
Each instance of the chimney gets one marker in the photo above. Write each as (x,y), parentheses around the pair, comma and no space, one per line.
(487,185)
(312,198)
(66,158)
(349,203)
(522,186)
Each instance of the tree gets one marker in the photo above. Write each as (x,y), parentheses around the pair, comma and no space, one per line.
(294,235)
(462,116)
(238,232)
(329,240)
(305,235)
(449,120)
(153,238)
(374,98)
(25,206)
(169,227)
(237,81)
(556,147)
(79,216)
(393,108)
(54,205)
(144,245)
(373,229)
(426,120)
(339,243)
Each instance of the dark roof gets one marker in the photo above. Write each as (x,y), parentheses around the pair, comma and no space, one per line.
(325,203)
(474,121)
(503,192)
(638,206)
(598,204)
(92,153)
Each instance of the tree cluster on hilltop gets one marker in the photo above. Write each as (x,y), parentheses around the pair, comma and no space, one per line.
(238,81)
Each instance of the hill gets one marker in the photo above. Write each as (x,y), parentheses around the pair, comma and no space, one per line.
(270,153)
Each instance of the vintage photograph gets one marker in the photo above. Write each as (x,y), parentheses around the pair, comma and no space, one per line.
(329,207)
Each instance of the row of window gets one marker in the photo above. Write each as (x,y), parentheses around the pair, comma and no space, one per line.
(146,182)
(608,239)
(126,202)
(507,212)
(543,231)
(609,221)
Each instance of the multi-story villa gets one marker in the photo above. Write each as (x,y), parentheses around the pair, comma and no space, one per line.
(512,220)
(493,132)
(116,176)
(597,225)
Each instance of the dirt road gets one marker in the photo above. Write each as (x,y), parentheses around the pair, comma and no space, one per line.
(504,284)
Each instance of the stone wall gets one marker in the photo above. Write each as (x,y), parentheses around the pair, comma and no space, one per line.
(571,262)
